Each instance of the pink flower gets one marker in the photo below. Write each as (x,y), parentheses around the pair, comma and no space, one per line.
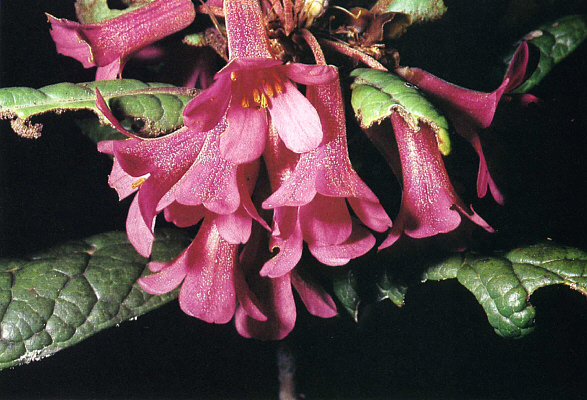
(109,44)
(253,88)
(212,279)
(430,204)
(277,303)
(183,167)
(275,297)
(309,204)
(469,110)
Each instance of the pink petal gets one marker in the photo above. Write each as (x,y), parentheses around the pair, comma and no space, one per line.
(428,196)
(516,73)
(211,180)
(123,183)
(393,236)
(325,221)
(247,175)
(184,216)
(456,101)
(474,217)
(69,42)
(155,266)
(358,244)
(371,214)
(246,297)
(168,279)
(279,307)
(206,110)
(285,221)
(104,109)
(316,300)
(290,253)
(235,228)
(110,71)
(208,291)
(244,139)
(336,177)
(247,63)
(300,187)
(310,74)
(296,120)
(140,234)
(484,179)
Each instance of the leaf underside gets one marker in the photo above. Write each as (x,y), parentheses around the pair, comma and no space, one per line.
(159,106)
(61,296)
(376,94)
(88,11)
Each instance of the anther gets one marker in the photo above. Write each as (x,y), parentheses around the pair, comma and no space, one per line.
(245,102)
(138,183)
(269,90)
(256,96)
(233,76)
(264,103)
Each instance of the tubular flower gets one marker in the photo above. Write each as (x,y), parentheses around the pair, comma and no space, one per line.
(212,279)
(109,44)
(469,110)
(183,167)
(430,204)
(275,297)
(310,205)
(253,88)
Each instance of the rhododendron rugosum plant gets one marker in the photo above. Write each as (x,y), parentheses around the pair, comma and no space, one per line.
(252,109)
(284,211)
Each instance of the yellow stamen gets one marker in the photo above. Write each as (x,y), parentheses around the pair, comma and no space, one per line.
(264,103)
(269,90)
(138,183)
(278,86)
(256,96)
(233,76)
(245,102)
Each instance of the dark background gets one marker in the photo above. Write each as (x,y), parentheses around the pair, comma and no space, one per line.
(439,345)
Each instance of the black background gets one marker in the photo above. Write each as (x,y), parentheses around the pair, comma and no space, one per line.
(439,345)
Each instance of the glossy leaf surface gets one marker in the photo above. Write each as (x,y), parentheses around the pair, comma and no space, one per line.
(503,283)
(555,41)
(59,297)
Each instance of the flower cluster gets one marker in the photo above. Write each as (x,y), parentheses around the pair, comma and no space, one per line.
(430,205)
(251,139)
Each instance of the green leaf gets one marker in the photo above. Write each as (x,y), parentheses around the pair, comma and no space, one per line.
(388,289)
(419,10)
(89,11)
(504,283)
(158,106)
(345,289)
(555,41)
(376,94)
(59,297)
